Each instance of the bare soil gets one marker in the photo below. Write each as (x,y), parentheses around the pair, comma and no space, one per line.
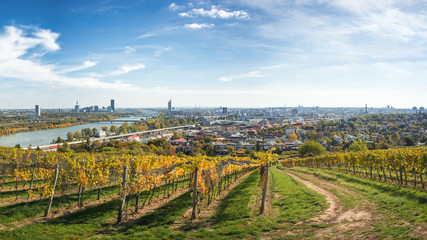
(343,223)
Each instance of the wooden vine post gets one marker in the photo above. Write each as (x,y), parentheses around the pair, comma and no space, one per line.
(264,189)
(194,214)
(55,179)
(123,201)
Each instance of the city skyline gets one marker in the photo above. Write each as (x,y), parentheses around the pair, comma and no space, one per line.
(243,53)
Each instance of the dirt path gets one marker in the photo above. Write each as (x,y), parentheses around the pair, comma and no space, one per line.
(344,224)
(206,213)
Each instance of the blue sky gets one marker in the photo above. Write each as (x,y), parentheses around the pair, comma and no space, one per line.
(242,53)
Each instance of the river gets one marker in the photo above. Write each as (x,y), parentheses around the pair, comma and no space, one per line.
(41,137)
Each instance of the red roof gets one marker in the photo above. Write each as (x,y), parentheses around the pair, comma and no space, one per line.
(134,136)
(180,140)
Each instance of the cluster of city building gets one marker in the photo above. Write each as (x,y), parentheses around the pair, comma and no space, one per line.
(77,109)
(96,108)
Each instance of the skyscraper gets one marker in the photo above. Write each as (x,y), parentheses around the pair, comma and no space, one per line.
(113,108)
(77,107)
(224,110)
(170,105)
(38,112)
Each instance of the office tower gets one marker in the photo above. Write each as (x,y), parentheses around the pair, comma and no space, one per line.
(38,112)
(113,108)
(224,110)
(77,107)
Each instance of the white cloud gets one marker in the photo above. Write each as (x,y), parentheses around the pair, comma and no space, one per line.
(15,44)
(129,49)
(174,7)
(161,51)
(199,25)
(86,64)
(127,68)
(253,74)
(184,14)
(146,35)
(48,39)
(214,12)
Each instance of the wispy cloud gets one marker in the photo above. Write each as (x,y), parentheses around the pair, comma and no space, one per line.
(199,25)
(175,7)
(158,31)
(214,12)
(146,35)
(126,69)
(85,65)
(16,43)
(346,31)
(161,51)
(129,49)
(253,74)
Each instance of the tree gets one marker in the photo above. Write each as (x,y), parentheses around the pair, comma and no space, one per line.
(59,140)
(408,141)
(123,128)
(87,132)
(113,128)
(104,128)
(176,135)
(257,147)
(292,137)
(77,135)
(358,145)
(230,150)
(70,136)
(209,150)
(353,125)
(310,149)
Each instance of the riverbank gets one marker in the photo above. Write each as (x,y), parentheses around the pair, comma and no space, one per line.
(14,125)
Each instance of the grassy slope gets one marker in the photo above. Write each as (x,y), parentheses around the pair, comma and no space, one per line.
(296,202)
(21,211)
(403,209)
(237,216)
(88,222)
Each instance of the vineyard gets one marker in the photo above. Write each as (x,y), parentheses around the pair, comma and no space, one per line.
(398,165)
(134,173)
(75,196)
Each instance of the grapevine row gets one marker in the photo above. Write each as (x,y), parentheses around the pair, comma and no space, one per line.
(403,163)
(135,174)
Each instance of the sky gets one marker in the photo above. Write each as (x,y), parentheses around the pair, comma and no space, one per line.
(240,53)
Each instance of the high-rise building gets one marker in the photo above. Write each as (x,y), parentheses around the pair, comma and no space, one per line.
(113,108)
(170,105)
(38,112)
(77,107)
(224,110)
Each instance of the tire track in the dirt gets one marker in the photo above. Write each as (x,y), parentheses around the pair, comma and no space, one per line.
(335,207)
(344,224)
